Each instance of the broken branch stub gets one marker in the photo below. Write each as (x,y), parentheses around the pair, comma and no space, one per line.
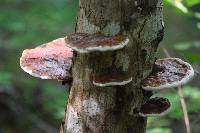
(168,73)
(157,106)
(85,42)
(52,60)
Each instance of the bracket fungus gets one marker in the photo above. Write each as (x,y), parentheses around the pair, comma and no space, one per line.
(111,79)
(85,42)
(52,60)
(168,73)
(157,106)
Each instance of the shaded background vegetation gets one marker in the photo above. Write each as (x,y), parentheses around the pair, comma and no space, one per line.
(30,105)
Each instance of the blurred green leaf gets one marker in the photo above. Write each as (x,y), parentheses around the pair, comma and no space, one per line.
(193,57)
(192,2)
(182,46)
(192,92)
(5,81)
(196,14)
(186,45)
(178,4)
(196,44)
(198,25)
(159,130)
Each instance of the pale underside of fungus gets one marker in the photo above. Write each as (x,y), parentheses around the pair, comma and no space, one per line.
(111,79)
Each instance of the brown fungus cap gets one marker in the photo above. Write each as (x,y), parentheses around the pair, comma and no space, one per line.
(52,60)
(157,106)
(167,73)
(85,42)
(111,79)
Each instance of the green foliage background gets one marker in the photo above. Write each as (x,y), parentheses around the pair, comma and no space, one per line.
(29,105)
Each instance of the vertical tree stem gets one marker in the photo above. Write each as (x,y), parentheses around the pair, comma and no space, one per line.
(114,109)
(184,107)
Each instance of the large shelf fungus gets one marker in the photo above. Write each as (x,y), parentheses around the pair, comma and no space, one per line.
(111,79)
(157,106)
(85,42)
(168,73)
(52,60)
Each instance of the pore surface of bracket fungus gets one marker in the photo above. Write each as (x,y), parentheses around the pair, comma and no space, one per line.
(85,42)
(52,60)
(111,79)
(168,72)
(157,106)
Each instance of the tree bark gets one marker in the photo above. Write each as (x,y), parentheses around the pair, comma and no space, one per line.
(114,109)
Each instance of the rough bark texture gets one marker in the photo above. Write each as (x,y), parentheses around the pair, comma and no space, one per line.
(93,109)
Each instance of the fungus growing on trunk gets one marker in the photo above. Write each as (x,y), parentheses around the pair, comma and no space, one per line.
(157,106)
(52,60)
(85,42)
(167,73)
(111,79)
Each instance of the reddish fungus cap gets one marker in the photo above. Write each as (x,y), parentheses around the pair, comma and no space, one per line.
(167,73)
(52,60)
(112,79)
(85,42)
(157,106)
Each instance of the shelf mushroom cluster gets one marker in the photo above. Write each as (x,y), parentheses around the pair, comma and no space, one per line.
(166,73)
(53,60)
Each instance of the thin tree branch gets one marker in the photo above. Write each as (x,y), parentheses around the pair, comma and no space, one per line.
(183,103)
(184,107)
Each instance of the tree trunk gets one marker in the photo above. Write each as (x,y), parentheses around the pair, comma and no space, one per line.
(93,109)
